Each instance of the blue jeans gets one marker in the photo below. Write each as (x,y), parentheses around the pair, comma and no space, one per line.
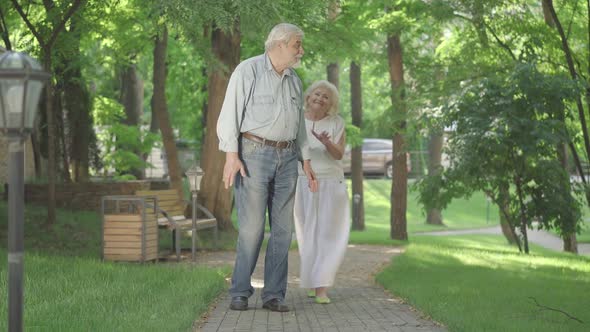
(271,177)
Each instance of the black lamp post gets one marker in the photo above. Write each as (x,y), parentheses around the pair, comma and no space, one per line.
(21,83)
(194,175)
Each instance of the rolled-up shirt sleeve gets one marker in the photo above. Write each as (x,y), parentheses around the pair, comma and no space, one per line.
(228,123)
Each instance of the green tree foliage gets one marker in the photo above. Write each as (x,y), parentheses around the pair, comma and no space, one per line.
(114,50)
(449,48)
(505,129)
(117,141)
(482,39)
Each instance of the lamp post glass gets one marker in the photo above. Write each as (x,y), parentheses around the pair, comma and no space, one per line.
(194,175)
(21,83)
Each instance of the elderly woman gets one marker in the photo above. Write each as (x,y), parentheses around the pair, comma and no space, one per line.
(322,222)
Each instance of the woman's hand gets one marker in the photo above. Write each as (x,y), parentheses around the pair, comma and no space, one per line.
(336,151)
(324,137)
(311,179)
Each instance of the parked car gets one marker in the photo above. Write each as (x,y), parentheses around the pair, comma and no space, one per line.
(377,157)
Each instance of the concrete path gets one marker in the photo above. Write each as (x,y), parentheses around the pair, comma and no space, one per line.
(358,304)
(539,237)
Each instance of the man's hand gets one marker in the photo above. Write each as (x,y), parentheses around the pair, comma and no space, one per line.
(233,164)
(312,181)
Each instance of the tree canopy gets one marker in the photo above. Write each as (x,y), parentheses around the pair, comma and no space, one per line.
(464,65)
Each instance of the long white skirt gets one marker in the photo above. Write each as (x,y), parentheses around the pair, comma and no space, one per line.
(322,225)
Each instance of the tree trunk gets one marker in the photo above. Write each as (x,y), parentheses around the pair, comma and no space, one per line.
(570,243)
(39,136)
(161,110)
(204,111)
(569,240)
(154,124)
(61,130)
(131,95)
(479,23)
(36,148)
(51,161)
(334,9)
(573,73)
(332,70)
(399,187)
(76,101)
(4,33)
(504,203)
(132,100)
(435,145)
(58,63)
(356,155)
(522,213)
(547,15)
(333,74)
(226,48)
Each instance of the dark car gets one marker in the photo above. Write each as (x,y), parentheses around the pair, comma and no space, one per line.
(377,157)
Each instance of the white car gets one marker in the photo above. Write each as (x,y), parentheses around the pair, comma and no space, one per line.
(377,157)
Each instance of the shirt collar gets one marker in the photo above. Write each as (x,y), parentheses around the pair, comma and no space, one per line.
(269,67)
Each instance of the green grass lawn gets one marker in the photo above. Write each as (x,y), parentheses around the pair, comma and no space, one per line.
(83,294)
(478,283)
(461,214)
(68,287)
(584,237)
(465,282)
(474,212)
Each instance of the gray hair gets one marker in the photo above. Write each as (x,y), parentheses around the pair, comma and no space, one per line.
(282,33)
(332,91)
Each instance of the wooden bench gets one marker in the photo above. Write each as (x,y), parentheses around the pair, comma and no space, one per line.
(170,210)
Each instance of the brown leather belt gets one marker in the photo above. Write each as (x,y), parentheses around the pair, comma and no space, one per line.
(264,141)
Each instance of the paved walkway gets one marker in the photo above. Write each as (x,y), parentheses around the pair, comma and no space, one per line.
(358,304)
(539,237)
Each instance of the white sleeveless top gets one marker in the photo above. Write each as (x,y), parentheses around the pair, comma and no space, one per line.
(322,162)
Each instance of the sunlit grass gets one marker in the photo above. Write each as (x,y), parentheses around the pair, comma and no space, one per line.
(475,212)
(85,294)
(478,283)
(68,287)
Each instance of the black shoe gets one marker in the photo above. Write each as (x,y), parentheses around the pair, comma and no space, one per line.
(239,303)
(275,305)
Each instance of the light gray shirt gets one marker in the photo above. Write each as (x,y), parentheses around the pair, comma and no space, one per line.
(260,101)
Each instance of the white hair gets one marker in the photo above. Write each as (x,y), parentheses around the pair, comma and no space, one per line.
(281,33)
(332,91)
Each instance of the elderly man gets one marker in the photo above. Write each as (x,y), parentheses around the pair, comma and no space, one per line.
(261,128)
